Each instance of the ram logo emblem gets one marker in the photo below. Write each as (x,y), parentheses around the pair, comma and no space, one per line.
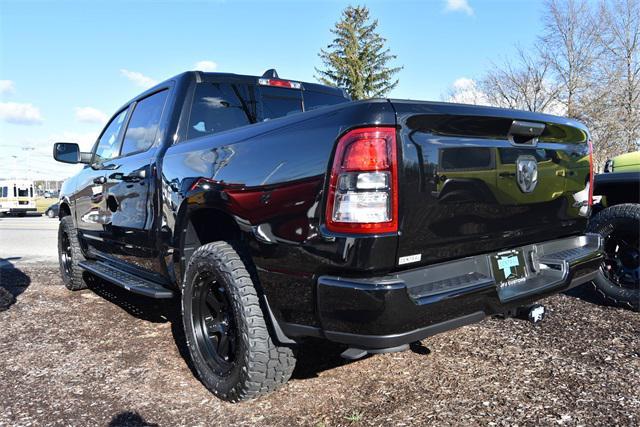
(527,173)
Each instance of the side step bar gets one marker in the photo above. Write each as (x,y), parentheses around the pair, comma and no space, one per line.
(126,280)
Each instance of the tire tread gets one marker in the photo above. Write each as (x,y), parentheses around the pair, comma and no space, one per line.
(266,365)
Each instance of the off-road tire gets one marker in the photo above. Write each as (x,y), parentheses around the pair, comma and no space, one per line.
(603,223)
(261,364)
(72,274)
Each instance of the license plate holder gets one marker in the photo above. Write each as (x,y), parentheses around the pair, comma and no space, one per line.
(508,268)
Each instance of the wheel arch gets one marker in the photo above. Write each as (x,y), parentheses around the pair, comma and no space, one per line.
(64,209)
(197,224)
(194,230)
(618,188)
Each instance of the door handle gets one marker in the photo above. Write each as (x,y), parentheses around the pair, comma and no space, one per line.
(100,180)
(138,174)
(135,176)
(506,174)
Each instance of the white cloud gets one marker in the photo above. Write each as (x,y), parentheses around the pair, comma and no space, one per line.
(90,115)
(139,78)
(21,114)
(465,91)
(84,139)
(463,83)
(206,66)
(7,87)
(458,6)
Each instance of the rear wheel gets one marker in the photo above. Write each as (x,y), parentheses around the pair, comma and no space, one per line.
(225,329)
(70,255)
(618,279)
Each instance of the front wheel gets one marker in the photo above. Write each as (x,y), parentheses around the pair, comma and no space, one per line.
(70,255)
(618,280)
(225,328)
(50,213)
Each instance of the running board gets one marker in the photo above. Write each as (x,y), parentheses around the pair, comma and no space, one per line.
(126,280)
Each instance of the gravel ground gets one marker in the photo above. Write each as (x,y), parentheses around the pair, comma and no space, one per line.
(105,357)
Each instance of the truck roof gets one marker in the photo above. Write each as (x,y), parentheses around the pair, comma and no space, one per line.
(200,76)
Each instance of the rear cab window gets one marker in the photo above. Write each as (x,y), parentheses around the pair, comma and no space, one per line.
(314,99)
(222,105)
(279,102)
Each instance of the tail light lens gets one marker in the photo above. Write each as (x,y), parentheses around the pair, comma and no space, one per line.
(363,187)
(590,173)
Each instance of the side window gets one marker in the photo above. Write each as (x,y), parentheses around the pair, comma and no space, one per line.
(143,126)
(108,146)
(215,108)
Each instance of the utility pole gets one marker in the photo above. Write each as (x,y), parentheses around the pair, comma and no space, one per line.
(15,166)
(27,149)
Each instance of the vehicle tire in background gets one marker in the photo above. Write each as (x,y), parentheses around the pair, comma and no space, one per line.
(50,213)
(70,255)
(618,280)
(225,328)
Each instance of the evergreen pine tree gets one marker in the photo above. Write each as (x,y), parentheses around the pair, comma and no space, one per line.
(357,57)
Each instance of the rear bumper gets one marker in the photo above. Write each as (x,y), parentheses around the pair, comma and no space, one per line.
(389,311)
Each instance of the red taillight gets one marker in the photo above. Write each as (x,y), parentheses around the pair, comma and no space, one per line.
(366,155)
(279,83)
(363,187)
(591,173)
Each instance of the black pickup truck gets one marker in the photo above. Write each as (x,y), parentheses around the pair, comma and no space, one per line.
(278,210)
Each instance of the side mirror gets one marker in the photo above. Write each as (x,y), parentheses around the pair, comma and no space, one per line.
(68,152)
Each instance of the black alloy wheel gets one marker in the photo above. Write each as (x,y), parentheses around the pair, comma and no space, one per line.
(214,326)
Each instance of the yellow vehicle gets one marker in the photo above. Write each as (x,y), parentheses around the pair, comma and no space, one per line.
(16,197)
(488,173)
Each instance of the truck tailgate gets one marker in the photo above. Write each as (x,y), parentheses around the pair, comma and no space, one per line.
(480,179)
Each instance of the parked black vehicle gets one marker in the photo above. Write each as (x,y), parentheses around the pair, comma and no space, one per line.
(616,217)
(280,210)
(53,210)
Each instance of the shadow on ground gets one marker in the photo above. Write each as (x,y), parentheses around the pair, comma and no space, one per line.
(129,419)
(313,355)
(149,309)
(13,282)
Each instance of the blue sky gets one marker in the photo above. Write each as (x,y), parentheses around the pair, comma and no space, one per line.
(67,65)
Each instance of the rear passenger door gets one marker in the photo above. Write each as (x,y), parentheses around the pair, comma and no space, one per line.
(130,182)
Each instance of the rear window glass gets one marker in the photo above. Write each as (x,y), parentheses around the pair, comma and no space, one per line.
(23,192)
(314,100)
(278,102)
